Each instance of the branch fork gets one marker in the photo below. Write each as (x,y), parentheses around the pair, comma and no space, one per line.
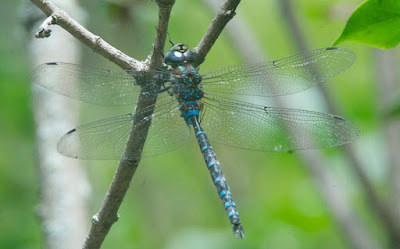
(107,215)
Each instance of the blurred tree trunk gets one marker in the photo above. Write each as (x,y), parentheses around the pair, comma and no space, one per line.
(336,199)
(382,211)
(63,190)
(388,78)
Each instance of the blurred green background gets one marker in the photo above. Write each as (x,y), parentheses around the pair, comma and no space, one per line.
(172,202)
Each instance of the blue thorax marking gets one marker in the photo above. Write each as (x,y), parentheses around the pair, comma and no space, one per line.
(183,70)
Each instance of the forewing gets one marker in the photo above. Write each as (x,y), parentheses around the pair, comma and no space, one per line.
(282,77)
(97,86)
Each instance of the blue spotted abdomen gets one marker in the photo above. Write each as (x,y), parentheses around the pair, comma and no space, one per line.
(189,92)
(218,177)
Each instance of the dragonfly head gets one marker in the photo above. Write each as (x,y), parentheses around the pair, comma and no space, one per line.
(178,55)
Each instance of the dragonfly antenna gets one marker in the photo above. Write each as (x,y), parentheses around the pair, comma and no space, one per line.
(170,40)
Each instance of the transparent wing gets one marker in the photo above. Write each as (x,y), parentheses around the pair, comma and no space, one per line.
(106,138)
(167,132)
(255,127)
(97,86)
(282,77)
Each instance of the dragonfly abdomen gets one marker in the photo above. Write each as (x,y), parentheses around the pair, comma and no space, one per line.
(218,177)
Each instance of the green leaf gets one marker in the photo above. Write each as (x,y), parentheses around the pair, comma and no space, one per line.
(375,23)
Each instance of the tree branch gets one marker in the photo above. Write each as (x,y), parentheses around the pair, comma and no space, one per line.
(127,167)
(62,19)
(225,14)
(44,31)
(107,215)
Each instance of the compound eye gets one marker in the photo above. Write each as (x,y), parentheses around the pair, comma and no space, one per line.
(179,54)
(190,56)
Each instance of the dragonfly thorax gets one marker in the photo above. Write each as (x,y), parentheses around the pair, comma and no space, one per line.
(179,54)
(188,83)
(188,90)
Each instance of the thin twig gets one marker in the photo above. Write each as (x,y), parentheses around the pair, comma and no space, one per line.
(44,31)
(89,39)
(225,14)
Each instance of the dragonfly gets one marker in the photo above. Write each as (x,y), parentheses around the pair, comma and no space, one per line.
(186,99)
